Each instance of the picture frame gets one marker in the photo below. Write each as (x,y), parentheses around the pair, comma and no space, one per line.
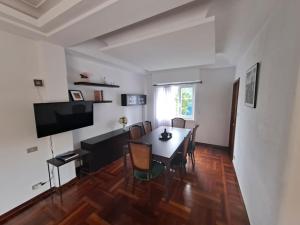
(76,95)
(251,85)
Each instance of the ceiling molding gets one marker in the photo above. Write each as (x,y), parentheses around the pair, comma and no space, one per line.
(83,16)
(60,24)
(56,11)
(106,60)
(180,27)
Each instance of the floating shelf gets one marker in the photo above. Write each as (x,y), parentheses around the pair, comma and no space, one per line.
(108,101)
(97,84)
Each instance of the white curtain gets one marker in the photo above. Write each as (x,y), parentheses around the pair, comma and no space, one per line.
(164,105)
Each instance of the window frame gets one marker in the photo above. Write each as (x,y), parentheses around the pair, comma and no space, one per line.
(178,114)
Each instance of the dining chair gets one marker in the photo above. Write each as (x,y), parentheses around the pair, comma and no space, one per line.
(144,168)
(147,127)
(192,145)
(179,160)
(178,122)
(135,132)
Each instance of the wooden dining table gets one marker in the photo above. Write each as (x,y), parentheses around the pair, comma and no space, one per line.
(164,151)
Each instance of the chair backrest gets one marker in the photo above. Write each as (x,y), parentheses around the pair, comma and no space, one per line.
(147,127)
(186,144)
(194,133)
(178,122)
(135,132)
(141,155)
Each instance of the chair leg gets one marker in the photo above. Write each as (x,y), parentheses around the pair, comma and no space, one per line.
(149,193)
(180,172)
(133,184)
(193,159)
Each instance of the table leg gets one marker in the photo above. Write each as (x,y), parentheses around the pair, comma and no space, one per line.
(125,163)
(167,181)
(58,177)
(49,176)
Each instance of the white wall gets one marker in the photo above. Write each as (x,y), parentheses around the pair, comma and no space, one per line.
(22,60)
(262,134)
(106,116)
(212,103)
(289,211)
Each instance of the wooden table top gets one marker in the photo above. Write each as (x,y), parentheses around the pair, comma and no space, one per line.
(165,149)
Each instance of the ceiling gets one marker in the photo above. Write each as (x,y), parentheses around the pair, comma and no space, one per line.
(32,8)
(142,36)
(185,47)
(69,22)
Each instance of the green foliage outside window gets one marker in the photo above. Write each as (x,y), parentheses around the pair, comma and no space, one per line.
(184,102)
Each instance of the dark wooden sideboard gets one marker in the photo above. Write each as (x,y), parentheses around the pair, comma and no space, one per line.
(105,148)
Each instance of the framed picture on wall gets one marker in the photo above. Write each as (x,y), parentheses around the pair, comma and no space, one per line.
(76,95)
(252,86)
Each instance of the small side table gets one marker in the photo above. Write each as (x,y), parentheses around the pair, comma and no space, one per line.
(58,163)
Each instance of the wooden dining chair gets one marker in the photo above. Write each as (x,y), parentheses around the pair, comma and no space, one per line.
(179,160)
(178,122)
(135,132)
(147,127)
(192,145)
(144,168)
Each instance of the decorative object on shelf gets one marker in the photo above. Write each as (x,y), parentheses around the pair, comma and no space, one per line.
(123,121)
(76,95)
(252,86)
(96,84)
(133,99)
(164,136)
(104,80)
(101,95)
(98,96)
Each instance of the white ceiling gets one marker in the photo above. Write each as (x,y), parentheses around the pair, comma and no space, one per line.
(33,8)
(184,47)
(70,22)
(141,35)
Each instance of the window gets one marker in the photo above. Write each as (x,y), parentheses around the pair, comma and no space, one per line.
(174,101)
(185,101)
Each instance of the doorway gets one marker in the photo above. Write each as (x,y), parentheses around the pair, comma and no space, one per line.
(235,98)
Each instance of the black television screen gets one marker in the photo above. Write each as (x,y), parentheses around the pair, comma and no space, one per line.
(54,118)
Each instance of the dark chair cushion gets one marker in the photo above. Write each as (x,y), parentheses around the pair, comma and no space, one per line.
(157,169)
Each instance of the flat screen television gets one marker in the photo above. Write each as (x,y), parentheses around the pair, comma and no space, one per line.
(54,118)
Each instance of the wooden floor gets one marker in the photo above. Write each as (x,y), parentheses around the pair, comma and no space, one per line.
(207,195)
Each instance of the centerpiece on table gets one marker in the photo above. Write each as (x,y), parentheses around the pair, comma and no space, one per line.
(164,136)
(123,121)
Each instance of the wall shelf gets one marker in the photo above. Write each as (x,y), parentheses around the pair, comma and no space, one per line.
(96,84)
(108,101)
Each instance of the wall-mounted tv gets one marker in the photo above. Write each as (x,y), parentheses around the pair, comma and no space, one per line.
(54,118)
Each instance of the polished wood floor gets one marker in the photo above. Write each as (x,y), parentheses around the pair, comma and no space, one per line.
(207,195)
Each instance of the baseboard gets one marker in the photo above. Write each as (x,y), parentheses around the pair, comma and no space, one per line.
(19,209)
(225,148)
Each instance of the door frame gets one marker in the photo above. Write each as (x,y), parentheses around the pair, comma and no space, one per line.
(234,106)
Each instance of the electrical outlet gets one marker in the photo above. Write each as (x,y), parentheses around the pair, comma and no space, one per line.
(36,186)
(32,149)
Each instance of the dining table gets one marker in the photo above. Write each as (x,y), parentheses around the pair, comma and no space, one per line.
(164,150)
